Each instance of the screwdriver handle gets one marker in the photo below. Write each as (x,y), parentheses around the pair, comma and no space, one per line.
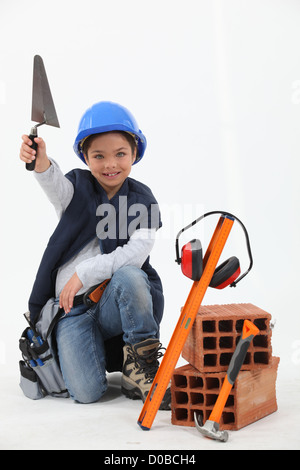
(33,133)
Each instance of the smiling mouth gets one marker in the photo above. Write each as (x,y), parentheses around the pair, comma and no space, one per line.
(111,175)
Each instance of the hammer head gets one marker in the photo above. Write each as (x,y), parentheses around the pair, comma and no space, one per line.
(210,429)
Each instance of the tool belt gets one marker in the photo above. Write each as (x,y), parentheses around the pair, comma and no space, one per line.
(39,369)
(40,373)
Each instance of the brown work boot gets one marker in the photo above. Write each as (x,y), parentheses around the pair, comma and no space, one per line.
(139,369)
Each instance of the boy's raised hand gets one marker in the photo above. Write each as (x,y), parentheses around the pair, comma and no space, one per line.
(27,154)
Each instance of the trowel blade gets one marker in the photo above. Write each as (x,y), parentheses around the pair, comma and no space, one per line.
(43,110)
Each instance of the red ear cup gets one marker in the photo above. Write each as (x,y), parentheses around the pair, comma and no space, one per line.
(191,260)
(226,273)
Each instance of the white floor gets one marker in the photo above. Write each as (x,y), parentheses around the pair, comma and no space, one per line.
(111,424)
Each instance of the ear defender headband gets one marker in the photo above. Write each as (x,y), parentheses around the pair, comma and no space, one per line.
(191,260)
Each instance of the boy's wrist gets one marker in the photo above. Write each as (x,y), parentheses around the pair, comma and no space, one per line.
(42,166)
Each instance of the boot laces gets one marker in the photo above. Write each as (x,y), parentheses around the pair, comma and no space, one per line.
(147,364)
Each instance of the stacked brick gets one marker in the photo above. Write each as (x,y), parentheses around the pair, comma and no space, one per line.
(208,350)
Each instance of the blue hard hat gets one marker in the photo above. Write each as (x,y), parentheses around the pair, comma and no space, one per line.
(107,116)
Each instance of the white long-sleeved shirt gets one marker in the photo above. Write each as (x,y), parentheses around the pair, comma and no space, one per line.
(91,266)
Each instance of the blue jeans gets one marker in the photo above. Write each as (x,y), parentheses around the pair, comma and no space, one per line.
(124,308)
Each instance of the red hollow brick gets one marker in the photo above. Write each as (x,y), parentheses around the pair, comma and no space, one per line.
(216,331)
(252,397)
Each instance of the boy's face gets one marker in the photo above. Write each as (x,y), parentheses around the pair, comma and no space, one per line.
(110,159)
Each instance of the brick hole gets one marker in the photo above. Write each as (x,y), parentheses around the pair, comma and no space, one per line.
(228,417)
(260,341)
(181,414)
(209,343)
(196,382)
(211,399)
(210,360)
(261,357)
(225,359)
(225,342)
(181,397)
(209,326)
(197,398)
(180,381)
(261,323)
(239,325)
(225,325)
(230,401)
(212,382)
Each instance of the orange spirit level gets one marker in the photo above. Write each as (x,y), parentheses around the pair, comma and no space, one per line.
(185,322)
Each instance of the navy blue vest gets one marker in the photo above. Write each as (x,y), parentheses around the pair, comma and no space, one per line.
(77,227)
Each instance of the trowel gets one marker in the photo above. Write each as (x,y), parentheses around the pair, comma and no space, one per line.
(43,110)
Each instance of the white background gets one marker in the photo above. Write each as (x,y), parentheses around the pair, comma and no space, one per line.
(215,87)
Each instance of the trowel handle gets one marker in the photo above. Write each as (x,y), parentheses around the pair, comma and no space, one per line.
(33,133)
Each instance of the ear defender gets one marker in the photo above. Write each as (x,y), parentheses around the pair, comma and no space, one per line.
(192,266)
(191,260)
(226,273)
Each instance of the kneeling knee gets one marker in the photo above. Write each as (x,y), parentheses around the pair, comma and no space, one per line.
(131,276)
(87,395)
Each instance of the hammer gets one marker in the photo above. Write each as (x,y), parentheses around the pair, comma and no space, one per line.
(211,427)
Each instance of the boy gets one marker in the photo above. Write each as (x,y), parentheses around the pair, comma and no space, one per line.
(99,236)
